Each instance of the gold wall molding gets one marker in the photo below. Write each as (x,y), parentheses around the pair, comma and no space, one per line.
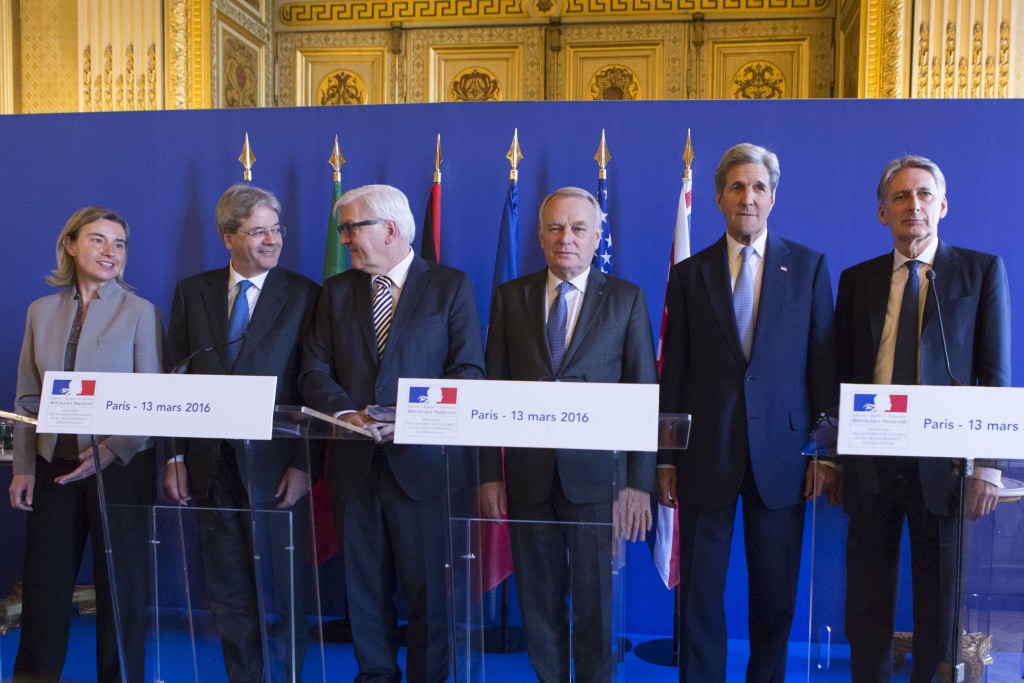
(362,69)
(514,54)
(800,50)
(884,53)
(49,59)
(655,53)
(372,13)
(847,57)
(305,59)
(118,40)
(8,75)
(474,72)
(244,74)
(963,48)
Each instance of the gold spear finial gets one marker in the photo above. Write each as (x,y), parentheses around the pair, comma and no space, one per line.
(687,156)
(514,156)
(248,159)
(602,158)
(437,160)
(336,161)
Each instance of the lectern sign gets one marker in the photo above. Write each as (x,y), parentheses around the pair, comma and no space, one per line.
(587,415)
(931,421)
(108,403)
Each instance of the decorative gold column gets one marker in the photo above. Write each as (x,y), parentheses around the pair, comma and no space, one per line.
(885,48)
(187,54)
(7,74)
(120,52)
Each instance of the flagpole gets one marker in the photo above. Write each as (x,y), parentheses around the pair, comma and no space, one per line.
(603,256)
(665,651)
(248,159)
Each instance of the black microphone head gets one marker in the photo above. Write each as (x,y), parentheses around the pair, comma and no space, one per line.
(930,275)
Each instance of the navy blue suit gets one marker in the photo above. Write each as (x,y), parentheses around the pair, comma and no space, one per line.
(750,422)
(390,500)
(220,475)
(974,295)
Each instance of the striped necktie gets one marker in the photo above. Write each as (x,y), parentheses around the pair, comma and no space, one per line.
(382,311)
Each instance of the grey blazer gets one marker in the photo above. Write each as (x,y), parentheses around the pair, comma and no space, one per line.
(121,333)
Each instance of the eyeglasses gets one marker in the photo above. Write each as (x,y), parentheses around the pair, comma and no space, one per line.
(260,233)
(347,229)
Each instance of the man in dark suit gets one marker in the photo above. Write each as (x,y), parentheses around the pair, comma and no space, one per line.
(878,344)
(748,352)
(569,322)
(393,315)
(271,310)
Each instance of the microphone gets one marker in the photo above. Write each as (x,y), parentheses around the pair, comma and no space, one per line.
(181,367)
(942,330)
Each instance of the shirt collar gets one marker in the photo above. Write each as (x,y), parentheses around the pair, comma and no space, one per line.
(735,248)
(579,282)
(926,257)
(234,278)
(400,273)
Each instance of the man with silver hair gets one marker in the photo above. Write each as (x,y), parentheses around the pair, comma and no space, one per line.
(393,315)
(749,353)
(568,322)
(889,332)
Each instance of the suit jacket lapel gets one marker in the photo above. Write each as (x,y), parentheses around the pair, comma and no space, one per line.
(215,301)
(592,300)
(715,272)
(535,300)
(269,304)
(363,305)
(775,271)
(946,267)
(416,282)
(878,284)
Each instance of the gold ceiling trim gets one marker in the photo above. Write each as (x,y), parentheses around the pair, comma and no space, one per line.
(326,13)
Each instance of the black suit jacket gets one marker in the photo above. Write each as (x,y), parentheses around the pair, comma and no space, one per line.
(975,299)
(435,332)
(611,343)
(763,409)
(283,315)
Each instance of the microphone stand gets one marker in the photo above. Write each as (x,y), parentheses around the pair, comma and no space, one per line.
(964,467)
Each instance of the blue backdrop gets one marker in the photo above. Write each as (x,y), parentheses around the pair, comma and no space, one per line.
(164,172)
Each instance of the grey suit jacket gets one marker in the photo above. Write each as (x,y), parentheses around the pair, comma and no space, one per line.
(121,333)
(611,342)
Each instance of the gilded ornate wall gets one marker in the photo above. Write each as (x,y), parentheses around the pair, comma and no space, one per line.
(143,54)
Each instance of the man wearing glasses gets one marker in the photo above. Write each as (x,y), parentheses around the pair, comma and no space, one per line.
(393,315)
(247,319)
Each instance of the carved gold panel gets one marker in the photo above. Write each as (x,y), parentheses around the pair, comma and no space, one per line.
(775,69)
(489,73)
(600,72)
(340,75)
(241,66)
(457,65)
(758,59)
(627,61)
(848,50)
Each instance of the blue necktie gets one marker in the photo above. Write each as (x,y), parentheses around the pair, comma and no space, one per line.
(743,302)
(904,359)
(558,316)
(238,320)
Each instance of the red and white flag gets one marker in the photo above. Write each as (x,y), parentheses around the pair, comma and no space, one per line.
(666,538)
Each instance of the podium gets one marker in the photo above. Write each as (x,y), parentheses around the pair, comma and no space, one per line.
(585,619)
(184,636)
(933,422)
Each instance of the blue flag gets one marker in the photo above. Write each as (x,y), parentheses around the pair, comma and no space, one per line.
(506,263)
(603,257)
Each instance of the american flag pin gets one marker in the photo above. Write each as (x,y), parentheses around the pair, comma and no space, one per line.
(784,269)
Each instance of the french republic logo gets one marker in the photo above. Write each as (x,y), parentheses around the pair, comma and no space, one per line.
(433,395)
(880,403)
(74,387)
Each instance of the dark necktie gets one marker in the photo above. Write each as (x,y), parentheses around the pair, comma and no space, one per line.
(558,316)
(743,302)
(382,312)
(238,320)
(904,360)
